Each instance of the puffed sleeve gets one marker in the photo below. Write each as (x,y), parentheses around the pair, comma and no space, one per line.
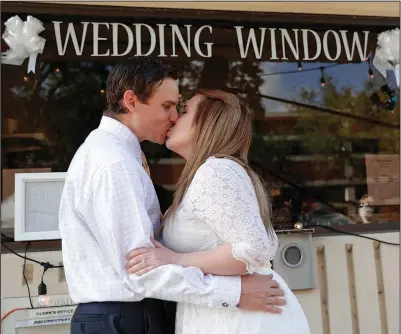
(223,197)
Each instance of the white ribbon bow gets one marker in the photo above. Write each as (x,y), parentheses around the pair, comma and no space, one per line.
(387,56)
(23,41)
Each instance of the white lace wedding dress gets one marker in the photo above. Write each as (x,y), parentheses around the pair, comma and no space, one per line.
(221,207)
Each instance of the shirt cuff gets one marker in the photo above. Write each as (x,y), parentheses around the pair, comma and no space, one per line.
(227,292)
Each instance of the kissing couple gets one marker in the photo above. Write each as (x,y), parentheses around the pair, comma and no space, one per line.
(213,255)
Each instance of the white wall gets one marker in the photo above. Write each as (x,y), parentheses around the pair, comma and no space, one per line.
(336,306)
(357,286)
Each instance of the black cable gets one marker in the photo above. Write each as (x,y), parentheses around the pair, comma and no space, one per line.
(42,290)
(300,71)
(331,111)
(292,184)
(353,234)
(43,264)
(7,237)
(317,108)
(22,257)
(43,274)
(23,274)
(301,189)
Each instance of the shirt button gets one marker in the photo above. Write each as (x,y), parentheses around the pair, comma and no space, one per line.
(225,304)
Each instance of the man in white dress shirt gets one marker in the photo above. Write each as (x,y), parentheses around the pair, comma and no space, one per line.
(109,207)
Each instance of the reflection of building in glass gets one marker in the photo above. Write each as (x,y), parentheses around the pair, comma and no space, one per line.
(327,180)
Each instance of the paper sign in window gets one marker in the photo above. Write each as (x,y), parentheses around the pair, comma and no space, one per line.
(383,178)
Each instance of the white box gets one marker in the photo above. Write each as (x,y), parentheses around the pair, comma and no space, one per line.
(37,203)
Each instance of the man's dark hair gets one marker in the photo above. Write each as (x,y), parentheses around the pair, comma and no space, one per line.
(139,74)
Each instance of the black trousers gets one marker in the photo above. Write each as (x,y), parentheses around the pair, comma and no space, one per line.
(150,316)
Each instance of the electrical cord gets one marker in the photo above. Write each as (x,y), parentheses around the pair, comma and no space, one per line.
(304,190)
(22,257)
(42,289)
(23,274)
(3,317)
(317,108)
(43,264)
(7,237)
(353,234)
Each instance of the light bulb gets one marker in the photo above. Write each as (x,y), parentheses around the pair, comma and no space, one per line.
(298,226)
(43,300)
(322,80)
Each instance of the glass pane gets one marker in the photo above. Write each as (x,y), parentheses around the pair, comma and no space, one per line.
(310,143)
(42,203)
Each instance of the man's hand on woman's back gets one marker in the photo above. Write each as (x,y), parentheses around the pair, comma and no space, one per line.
(261,293)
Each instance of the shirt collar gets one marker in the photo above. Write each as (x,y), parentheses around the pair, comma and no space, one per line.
(122,133)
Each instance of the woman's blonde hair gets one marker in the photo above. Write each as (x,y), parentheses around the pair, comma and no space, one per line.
(223,129)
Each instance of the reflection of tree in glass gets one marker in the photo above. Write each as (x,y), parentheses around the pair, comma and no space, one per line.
(246,77)
(74,101)
(339,138)
(65,103)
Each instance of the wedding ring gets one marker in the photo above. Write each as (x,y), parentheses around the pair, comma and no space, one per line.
(144,262)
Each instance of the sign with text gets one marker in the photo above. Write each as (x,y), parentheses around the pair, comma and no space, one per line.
(103,39)
(46,317)
(383,178)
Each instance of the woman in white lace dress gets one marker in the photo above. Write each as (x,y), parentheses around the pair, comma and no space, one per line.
(220,217)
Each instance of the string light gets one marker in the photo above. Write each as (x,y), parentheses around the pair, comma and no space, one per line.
(322,80)
(303,70)
(42,289)
(26,78)
(102,88)
(42,292)
(44,300)
(298,226)
(57,70)
(370,71)
(308,69)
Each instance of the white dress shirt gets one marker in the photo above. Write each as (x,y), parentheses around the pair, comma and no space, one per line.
(109,207)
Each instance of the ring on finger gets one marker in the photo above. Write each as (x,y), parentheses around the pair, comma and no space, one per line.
(144,263)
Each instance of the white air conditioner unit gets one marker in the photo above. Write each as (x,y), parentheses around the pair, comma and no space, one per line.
(37,203)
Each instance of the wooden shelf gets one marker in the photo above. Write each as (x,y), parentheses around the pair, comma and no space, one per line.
(22,149)
(37,135)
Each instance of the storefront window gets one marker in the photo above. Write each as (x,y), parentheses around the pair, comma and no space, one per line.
(328,152)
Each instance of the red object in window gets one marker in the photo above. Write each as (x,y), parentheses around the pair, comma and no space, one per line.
(11,311)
